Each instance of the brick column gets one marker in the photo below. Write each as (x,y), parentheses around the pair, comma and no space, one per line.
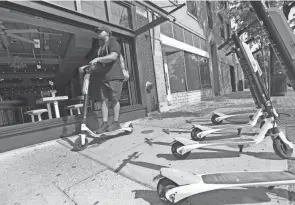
(159,71)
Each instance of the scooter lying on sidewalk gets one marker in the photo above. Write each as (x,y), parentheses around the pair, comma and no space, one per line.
(218,117)
(81,142)
(176,185)
(200,132)
(182,147)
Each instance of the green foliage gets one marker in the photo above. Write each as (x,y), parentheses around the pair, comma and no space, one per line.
(241,16)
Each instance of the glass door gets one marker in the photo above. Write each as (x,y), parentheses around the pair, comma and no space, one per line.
(129,92)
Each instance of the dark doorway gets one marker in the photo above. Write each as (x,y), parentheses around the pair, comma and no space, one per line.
(233,78)
(215,69)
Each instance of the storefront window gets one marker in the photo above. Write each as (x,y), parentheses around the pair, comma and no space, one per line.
(192,8)
(94,8)
(176,71)
(203,44)
(166,29)
(120,14)
(205,72)
(197,42)
(178,33)
(188,38)
(70,4)
(193,71)
(187,71)
(35,51)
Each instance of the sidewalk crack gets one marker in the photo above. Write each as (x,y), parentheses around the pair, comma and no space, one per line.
(99,172)
(65,193)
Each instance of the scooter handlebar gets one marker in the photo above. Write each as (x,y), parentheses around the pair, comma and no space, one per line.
(227,54)
(228,41)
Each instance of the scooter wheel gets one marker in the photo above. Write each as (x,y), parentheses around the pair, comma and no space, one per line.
(194,134)
(78,144)
(214,120)
(163,186)
(174,148)
(281,149)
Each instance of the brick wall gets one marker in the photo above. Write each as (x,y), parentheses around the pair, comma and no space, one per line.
(192,97)
(145,64)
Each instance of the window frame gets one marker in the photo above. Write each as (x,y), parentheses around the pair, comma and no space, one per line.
(78,8)
(124,4)
(191,14)
(186,83)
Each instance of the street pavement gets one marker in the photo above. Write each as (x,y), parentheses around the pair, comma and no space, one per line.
(121,170)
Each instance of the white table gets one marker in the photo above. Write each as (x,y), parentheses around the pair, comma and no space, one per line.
(54,100)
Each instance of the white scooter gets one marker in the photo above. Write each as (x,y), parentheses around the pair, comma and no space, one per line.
(81,142)
(176,185)
(182,147)
(200,132)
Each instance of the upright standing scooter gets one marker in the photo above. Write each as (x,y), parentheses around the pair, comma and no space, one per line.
(182,147)
(81,142)
(176,185)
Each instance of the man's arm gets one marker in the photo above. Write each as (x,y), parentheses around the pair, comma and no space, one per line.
(114,49)
(107,59)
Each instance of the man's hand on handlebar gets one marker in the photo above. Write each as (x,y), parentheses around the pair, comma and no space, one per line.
(84,69)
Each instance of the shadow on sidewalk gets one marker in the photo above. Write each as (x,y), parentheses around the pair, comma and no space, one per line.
(95,141)
(220,197)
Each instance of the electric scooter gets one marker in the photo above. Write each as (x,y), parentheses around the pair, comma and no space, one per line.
(176,185)
(182,147)
(81,142)
(200,132)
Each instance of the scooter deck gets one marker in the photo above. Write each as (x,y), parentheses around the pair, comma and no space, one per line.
(233,140)
(248,177)
(224,141)
(126,130)
(190,184)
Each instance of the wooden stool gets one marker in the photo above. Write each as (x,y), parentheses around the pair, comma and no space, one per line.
(75,107)
(38,112)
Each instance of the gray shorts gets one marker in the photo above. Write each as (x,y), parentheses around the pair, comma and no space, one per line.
(111,90)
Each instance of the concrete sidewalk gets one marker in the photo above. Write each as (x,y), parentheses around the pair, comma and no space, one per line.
(120,170)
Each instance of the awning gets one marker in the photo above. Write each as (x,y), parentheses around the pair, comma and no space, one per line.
(164,15)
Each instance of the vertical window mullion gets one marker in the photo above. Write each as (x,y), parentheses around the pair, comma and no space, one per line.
(185,72)
(108,8)
(79,6)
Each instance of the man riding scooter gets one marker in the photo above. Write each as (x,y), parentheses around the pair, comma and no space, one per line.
(107,64)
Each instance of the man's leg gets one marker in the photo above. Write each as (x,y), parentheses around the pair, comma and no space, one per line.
(105,110)
(116,90)
(116,109)
(104,90)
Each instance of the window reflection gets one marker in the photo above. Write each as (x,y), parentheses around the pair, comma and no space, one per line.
(120,14)
(94,8)
(44,50)
(70,4)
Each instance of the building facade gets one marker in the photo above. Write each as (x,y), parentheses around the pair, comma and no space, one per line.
(46,41)
(188,66)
